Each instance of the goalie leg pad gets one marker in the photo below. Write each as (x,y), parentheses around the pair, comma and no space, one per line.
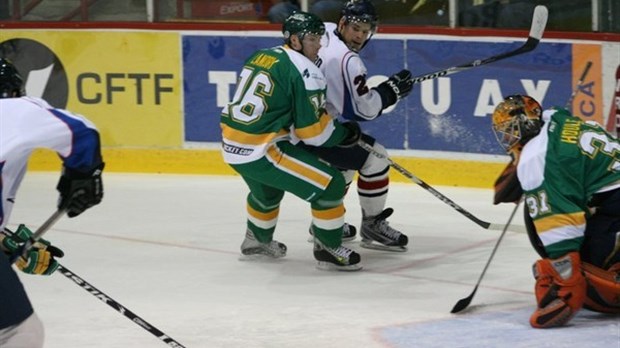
(603,291)
(560,290)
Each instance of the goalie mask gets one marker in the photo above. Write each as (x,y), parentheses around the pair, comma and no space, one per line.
(11,83)
(516,120)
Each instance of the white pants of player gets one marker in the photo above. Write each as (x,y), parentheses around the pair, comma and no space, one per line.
(27,334)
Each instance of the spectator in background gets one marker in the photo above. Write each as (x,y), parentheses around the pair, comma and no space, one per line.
(281,9)
(327,10)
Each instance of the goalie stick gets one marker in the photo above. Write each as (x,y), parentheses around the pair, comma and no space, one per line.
(464,302)
(429,188)
(539,22)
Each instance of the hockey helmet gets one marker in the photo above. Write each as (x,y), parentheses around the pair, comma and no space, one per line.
(516,120)
(360,11)
(11,83)
(302,23)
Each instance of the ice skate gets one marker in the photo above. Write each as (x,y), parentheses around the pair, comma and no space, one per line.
(377,234)
(252,247)
(348,233)
(336,259)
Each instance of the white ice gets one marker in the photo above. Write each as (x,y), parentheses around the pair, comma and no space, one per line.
(167,248)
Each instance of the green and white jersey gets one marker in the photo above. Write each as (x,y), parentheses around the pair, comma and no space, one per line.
(559,170)
(279,92)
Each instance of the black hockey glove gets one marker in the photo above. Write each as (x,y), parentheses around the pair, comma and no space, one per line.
(355,133)
(396,87)
(79,191)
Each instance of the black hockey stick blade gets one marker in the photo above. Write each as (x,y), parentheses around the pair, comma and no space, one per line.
(539,22)
(464,302)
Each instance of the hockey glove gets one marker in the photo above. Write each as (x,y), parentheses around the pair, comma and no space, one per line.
(355,133)
(507,186)
(396,87)
(39,259)
(79,191)
(560,290)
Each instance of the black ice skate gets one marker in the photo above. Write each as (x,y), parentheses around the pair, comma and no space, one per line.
(348,233)
(251,246)
(336,259)
(377,234)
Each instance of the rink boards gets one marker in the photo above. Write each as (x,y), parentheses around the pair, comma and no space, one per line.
(156,96)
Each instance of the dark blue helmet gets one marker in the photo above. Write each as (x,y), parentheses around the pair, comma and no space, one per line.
(11,83)
(360,11)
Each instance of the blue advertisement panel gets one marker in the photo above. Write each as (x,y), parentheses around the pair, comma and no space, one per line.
(453,113)
(210,67)
(446,114)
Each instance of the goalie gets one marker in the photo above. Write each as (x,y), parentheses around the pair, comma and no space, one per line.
(569,172)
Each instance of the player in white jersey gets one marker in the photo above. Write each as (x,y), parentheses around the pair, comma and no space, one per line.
(349,97)
(26,124)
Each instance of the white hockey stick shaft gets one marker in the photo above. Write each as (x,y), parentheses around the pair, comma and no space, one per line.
(434,192)
(539,22)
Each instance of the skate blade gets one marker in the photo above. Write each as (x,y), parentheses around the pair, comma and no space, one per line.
(328,266)
(368,244)
(252,254)
(344,240)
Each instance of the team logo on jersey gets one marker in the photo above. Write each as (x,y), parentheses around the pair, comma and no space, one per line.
(43,72)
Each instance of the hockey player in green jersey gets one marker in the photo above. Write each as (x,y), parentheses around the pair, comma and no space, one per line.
(569,172)
(280,100)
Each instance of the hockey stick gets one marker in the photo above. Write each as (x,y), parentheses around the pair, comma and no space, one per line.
(99,294)
(464,302)
(118,307)
(427,187)
(539,22)
(579,82)
(36,235)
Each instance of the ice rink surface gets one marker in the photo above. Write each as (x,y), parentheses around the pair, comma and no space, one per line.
(167,248)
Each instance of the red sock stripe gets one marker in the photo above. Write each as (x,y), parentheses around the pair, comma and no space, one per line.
(373,185)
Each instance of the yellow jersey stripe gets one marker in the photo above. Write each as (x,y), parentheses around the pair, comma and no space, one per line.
(298,168)
(248,138)
(315,129)
(553,222)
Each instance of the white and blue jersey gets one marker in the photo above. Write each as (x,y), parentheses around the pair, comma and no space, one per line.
(28,123)
(348,95)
